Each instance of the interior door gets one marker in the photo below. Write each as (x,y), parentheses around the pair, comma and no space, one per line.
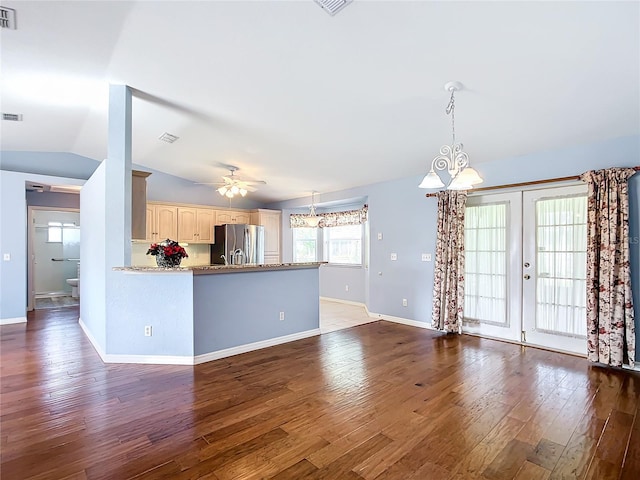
(525,267)
(554,274)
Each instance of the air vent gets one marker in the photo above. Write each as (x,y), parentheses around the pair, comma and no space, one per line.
(12,117)
(333,6)
(7,18)
(167,137)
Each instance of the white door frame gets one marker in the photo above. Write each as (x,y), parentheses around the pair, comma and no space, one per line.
(515,330)
(31,294)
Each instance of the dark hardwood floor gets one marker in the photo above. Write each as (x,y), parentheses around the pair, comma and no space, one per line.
(377,401)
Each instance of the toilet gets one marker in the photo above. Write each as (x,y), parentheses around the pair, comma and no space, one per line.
(74,283)
(74,286)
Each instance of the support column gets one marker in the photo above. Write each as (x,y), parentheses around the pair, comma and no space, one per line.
(118,178)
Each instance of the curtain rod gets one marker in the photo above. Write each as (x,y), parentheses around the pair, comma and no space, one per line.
(526,184)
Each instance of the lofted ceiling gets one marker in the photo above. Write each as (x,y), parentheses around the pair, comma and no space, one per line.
(307,101)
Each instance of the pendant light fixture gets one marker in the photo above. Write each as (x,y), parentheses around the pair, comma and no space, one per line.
(452,157)
(313,219)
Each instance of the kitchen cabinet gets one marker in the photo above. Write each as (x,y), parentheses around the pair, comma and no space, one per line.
(162,222)
(272,222)
(138,204)
(232,216)
(195,224)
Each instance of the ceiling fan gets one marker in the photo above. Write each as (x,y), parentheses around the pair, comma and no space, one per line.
(232,185)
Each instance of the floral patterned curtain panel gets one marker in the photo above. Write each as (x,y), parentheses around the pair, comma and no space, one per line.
(448,282)
(333,219)
(610,322)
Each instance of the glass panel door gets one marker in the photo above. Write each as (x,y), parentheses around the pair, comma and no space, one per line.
(492,272)
(554,274)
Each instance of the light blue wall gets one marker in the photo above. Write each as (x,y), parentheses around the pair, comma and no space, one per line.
(333,280)
(13,239)
(53,199)
(163,301)
(234,309)
(60,164)
(407,220)
(93,235)
(168,188)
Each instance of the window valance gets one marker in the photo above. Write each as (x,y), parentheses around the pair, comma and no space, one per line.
(331,219)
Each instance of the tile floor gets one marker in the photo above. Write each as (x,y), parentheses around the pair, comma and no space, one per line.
(337,316)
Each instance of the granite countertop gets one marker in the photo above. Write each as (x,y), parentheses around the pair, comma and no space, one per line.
(210,269)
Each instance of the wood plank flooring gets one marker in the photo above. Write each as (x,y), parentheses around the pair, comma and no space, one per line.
(377,401)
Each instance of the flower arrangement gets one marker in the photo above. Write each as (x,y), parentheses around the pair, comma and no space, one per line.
(168,253)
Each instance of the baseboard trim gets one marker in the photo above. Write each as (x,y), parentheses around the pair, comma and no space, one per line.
(92,340)
(346,302)
(149,359)
(403,321)
(13,321)
(192,360)
(249,347)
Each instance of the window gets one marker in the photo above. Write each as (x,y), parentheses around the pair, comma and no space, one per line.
(343,245)
(305,244)
(485,238)
(54,232)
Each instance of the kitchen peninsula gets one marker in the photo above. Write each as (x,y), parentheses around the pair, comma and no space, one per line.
(191,315)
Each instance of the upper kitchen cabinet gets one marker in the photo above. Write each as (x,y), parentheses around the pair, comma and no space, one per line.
(138,204)
(162,222)
(195,225)
(231,216)
(271,220)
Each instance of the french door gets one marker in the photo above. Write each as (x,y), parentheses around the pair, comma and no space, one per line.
(525,274)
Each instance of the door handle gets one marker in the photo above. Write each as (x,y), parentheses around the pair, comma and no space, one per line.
(527,277)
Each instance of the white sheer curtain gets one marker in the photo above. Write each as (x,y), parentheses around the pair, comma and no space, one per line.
(486,263)
(561,236)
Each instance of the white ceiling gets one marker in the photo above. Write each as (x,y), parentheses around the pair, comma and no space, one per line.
(307,101)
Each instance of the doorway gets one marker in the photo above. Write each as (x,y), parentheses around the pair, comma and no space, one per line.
(525,267)
(54,253)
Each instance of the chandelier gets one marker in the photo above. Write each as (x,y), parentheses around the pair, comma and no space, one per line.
(452,157)
(313,219)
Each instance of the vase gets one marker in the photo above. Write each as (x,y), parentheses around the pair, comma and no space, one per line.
(168,262)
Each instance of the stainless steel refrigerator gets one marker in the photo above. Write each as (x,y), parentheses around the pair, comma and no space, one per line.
(238,245)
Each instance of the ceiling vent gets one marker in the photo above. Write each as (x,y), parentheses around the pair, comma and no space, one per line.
(333,6)
(8,18)
(167,137)
(12,117)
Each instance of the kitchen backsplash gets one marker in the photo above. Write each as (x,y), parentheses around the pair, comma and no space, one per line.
(198,255)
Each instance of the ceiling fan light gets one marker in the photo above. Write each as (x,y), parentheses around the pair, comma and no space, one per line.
(235,189)
(222,191)
(243,192)
(431,180)
(229,194)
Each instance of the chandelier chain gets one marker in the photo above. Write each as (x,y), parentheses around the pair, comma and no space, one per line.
(451,109)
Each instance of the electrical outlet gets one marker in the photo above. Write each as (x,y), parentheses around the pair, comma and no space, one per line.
(6,257)
(346,288)
(147,331)
(426,257)
(281,316)
(394,256)
(380,236)
(404,302)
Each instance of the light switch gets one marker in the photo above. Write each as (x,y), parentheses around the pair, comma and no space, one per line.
(394,256)
(6,257)
(380,236)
